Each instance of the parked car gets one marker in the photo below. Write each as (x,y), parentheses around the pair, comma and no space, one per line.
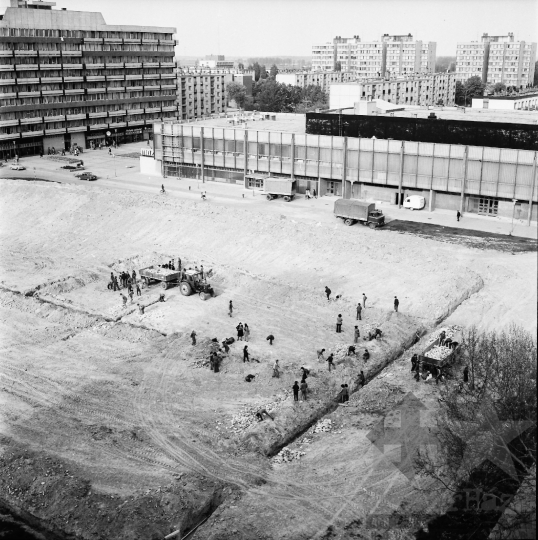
(16,167)
(414,202)
(77,167)
(86,176)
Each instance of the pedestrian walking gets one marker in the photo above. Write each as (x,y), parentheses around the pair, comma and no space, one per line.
(304,389)
(362,379)
(330,363)
(359,312)
(246,356)
(328,293)
(366,355)
(396,304)
(270,338)
(276,369)
(124,298)
(339,321)
(295,389)
(321,356)
(240,332)
(247,332)
(458,215)
(138,291)
(357,334)
(193,337)
(364,298)
(230,309)
(315,193)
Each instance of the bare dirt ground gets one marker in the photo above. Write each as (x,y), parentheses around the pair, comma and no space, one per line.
(111,427)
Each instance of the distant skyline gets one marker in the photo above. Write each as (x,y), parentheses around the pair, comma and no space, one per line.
(290,27)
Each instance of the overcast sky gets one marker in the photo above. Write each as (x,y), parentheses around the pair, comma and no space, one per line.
(290,27)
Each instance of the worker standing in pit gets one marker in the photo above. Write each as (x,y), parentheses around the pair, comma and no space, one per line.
(261,412)
(328,293)
(193,337)
(359,312)
(276,369)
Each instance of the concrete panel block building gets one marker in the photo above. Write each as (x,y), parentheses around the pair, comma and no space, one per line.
(67,78)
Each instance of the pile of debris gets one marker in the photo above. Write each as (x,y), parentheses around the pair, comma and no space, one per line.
(247,415)
(286,455)
(439,353)
(323,425)
(450,332)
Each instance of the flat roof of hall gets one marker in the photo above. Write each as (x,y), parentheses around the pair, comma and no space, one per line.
(469,114)
(285,123)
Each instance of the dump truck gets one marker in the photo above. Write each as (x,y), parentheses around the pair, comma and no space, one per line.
(352,210)
(441,355)
(189,281)
(280,187)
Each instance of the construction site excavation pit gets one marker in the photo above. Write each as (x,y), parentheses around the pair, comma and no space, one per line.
(112,423)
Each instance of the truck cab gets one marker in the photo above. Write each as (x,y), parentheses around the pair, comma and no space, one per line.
(353,211)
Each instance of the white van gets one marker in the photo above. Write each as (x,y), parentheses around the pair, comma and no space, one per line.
(414,202)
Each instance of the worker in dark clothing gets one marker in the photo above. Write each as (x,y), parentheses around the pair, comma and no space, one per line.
(261,412)
(225,345)
(116,285)
(230,309)
(134,276)
(295,389)
(240,331)
(357,334)
(110,285)
(138,291)
(193,337)
(458,215)
(359,312)
(466,374)
(339,321)
(396,304)
(378,333)
(442,337)
(328,293)
(306,372)
(249,378)
(304,389)
(202,271)
(366,355)
(270,338)
(345,393)
(161,297)
(330,363)
(246,356)
(414,360)
(178,264)
(351,350)
(362,379)
(364,298)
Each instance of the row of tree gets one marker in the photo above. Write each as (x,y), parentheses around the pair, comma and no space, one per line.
(271,96)
(474,87)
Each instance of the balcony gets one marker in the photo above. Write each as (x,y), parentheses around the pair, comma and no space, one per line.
(118,125)
(97,114)
(49,80)
(133,65)
(153,110)
(59,118)
(72,66)
(81,116)
(150,41)
(168,64)
(134,88)
(116,113)
(74,91)
(96,90)
(36,120)
(38,133)
(168,86)
(73,79)
(168,75)
(136,111)
(151,76)
(4,53)
(134,41)
(93,40)
(55,131)
(25,53)
(151,86)
(4,136)
(94,66)
(71,53)
(136,123)
(171,108)
(93,78)
(112,89)
(99,126)
(26,67)
(50,66)
(4,82)
(114,65)
(115,77)
(74,129)
(112,40)
(33,80)
(5,123)
(52,92)
(151,64)
(133,77)
(49,53)
(29,94)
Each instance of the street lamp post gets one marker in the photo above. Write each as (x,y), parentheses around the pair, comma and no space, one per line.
(514,202)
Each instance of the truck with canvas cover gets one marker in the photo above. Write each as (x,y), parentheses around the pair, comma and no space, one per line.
(189,281)
(352,210)
(280,187)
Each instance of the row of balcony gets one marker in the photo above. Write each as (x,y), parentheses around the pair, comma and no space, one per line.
(90,78)
(107,65)
(73,91)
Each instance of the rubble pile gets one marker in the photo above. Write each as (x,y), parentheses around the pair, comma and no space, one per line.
(286,455)
(384,398)
(324,425)
(247,415)
(439,353)
(450,332)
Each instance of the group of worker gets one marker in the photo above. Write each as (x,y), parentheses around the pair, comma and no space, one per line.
(426,372)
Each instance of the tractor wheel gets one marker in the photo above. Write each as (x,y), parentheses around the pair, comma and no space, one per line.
(349,222)
(185,289)
(204,296)
(371,225)
(269,197)
(165,285)
(287,199)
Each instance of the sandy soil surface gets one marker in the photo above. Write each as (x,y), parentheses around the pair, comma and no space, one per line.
(153,440)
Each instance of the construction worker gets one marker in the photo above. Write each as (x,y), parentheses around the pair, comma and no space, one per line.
(230,309)
(261,412)
(366,355)
(140,309)
(330,359)
(276,369)
(240,331)
(351,350)
(193,337)
(270,338)
(131,294)
(246,329)
(359,312)
(357,334)
(328,293)
(304,389)
(321,356)
(124,298)
(295,389)
(116,285)
(396,304)
(202,271)
(362,379)
(364,298)
(225,346)
(245,354)
(138,291)
(339,322)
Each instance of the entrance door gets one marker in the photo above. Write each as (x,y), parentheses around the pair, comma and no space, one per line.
(334,188)
(488,207)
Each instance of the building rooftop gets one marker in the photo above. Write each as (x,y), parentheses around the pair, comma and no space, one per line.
(285,122)
(518,96)
(472,115)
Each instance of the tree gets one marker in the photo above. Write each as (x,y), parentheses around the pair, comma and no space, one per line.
(237,92)
(274,71)
(257,71)
(263,72)
(485,434)
(338,66)
(241,66)
(499,88)
(472,87)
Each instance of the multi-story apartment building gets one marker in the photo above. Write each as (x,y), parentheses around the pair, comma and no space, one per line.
(497,59)
(200,94)
(213,61)
(423,90)
(394,54)
(66,77)
(317,78)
